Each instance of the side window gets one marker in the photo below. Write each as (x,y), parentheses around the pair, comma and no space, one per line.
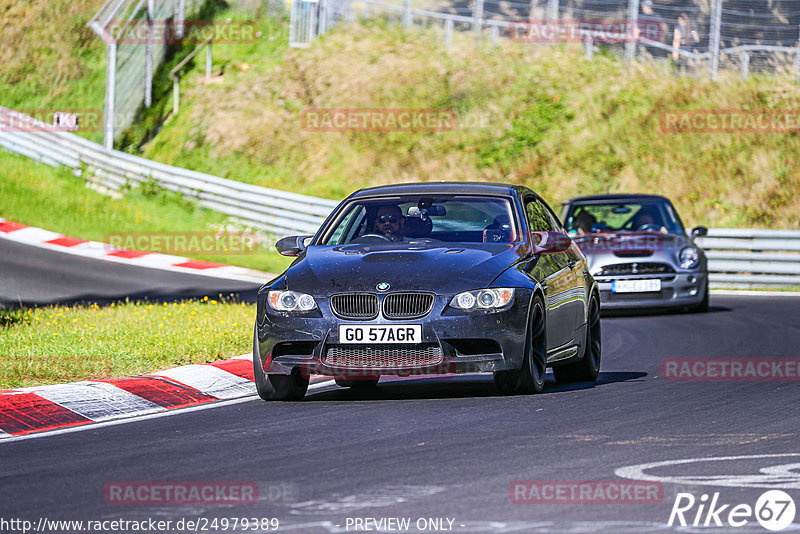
(554,222)
(538,219)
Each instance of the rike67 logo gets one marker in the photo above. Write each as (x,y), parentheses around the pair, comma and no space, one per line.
(774,510)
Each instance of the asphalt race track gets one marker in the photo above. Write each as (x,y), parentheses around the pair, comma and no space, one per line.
(450,448)
(36,276)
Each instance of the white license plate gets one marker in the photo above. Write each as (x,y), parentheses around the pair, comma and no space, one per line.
(636,286)
(374,333)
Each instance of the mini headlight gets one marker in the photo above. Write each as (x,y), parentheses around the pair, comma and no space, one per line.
(484,299)
(689,257)
(290,301)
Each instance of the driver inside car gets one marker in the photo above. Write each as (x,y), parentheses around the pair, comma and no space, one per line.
(645,219)
(390,222)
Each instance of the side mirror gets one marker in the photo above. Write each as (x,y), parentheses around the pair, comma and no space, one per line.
(293,245)
(550,242)
(699,231)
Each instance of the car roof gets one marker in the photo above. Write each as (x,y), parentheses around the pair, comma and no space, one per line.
(445,188)
(620,196)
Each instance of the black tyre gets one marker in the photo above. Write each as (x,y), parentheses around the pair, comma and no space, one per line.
(277,387)
(588,367)
(530,378)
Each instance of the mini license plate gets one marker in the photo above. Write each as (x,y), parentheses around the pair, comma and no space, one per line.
(372,333)
(636,286)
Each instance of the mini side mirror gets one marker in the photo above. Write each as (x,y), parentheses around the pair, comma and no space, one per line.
(293,245)
(699,231)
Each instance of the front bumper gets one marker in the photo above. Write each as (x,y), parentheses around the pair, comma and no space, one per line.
(679,290)
(452,342)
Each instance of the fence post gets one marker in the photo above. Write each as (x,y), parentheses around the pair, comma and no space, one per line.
(477,16)
(552,10)
(495,35)
(797,60)
(181,16)
(744,64)
(111,89)
(148,56)
(176,95)
(448,33)
(407,20)
(714,36)
(633,22)
(323,17)
(588,46)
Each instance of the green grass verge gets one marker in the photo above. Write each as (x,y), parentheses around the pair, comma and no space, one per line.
(62,344)
(53,198)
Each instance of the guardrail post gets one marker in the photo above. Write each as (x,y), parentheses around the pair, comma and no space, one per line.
(495,35)
(633,22)
(176,95)
(477,17)
(448,33)
(111,90)
(208,61)
(714,36)
(588,46)
(744,64)
(407,19)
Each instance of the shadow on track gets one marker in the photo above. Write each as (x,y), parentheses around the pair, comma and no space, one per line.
(454,387)
(649,312)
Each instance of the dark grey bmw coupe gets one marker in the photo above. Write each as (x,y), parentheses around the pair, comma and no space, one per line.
(430,278)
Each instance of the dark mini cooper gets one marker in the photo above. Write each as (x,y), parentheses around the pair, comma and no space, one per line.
(639,252)
(430,278)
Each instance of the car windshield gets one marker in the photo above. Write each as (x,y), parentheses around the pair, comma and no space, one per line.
(462,219)
(620,216)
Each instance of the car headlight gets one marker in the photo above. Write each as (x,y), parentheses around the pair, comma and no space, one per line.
(483,299)
(290,301)
(689,257)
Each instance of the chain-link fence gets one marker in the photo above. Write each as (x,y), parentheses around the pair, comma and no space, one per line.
(137,34)
(699,36)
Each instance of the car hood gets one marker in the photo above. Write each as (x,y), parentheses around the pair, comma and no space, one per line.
(404,266)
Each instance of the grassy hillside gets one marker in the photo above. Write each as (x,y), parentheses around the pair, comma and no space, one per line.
(543,116)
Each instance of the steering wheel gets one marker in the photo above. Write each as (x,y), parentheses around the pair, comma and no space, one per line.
(370,238)
(649,228)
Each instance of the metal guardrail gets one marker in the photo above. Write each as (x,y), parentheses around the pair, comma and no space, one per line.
(737,257)
(744,258)
(273,211)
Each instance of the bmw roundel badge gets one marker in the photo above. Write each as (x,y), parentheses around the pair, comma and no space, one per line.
(383,286)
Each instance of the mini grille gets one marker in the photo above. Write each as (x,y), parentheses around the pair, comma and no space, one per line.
(379,357)
(407,305)
(637,268)
(355,305)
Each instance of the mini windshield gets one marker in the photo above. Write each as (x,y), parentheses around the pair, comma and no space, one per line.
(452,219)
(637,216)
